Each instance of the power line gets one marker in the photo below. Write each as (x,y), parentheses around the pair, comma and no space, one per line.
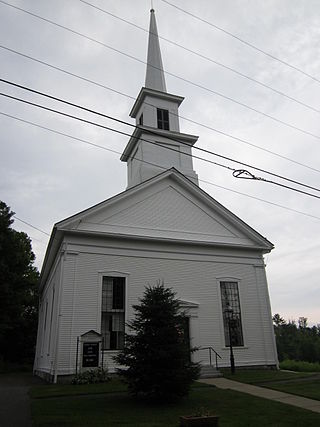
(52,110)
(65,71)
(30,225)
(244,174)
(200,86)
(226,67)
(154,143)
(161,167)
(148,130)
(182,117)
(60,133)
(243,41)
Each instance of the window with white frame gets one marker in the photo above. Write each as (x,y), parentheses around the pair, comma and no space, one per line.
(231,313)
(113,312)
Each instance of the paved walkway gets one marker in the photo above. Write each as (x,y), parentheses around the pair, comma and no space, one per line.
(266,393)
(14,399)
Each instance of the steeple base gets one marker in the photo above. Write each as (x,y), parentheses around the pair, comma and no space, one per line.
(146,172)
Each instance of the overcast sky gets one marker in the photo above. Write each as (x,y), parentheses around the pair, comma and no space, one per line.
(46,177)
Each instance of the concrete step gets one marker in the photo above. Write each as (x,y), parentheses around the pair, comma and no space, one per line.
(208,371)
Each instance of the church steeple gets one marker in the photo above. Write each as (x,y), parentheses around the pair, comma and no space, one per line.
(154,75)
(157,143)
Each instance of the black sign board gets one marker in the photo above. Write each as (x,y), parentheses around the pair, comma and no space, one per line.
(90,354)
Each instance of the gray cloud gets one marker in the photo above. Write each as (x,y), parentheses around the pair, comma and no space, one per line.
(46,177)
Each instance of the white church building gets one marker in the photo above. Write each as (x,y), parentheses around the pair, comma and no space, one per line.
(163,227)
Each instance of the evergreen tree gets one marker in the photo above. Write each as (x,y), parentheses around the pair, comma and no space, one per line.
(156,356)
(18,292)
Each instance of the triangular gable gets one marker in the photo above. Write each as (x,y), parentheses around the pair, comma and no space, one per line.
(91,333)
(168,206)
(167,212)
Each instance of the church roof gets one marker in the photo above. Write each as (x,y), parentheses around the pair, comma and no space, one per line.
(155,74)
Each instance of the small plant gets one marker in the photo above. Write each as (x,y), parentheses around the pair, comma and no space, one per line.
(93,376)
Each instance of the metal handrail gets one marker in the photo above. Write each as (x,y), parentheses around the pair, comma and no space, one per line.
(210,350)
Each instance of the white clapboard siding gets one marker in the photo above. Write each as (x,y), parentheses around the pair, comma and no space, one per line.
(195,281)
(66,341)
(165,229)
(47,337)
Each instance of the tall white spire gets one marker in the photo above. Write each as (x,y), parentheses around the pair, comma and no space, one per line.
(157,118)
(155,74)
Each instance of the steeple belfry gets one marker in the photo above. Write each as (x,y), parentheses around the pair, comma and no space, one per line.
(157,143)
(155,74)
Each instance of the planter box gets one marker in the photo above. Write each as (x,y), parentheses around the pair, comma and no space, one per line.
(205,421)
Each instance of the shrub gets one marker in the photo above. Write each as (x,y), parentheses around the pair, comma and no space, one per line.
(157,357)
(295,365)
(93,376)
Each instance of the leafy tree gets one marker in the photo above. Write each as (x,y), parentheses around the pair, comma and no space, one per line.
(18,292)
(278,320)
(156,356)
(294,342)
(302,322)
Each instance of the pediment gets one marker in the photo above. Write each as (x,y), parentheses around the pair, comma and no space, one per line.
(170,212)
(167,207)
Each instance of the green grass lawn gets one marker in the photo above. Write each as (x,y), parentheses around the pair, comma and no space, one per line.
(310,389)
(118,409)
(60,390)
(300,383)
(258,376)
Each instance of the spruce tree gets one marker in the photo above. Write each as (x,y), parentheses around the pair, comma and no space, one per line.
(156,358)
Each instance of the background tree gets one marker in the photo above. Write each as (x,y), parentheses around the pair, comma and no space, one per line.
(18,292)
(156,355)
(297,342)
(302,322)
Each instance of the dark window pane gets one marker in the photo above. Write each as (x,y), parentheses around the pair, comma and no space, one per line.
(113,312)
(232,322)
(118,293)
(163,119)
(113,340)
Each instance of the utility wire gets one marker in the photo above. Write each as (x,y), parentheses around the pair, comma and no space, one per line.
(240,173)
(52,110)
(200,86)
(151,142)
(143,161)
(62,134)
(150,131)
(181,117)
(243,41)
(30,225)
(226,67)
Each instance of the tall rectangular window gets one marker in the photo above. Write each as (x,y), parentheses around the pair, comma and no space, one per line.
(163,119)
(113,312)
(231,313)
